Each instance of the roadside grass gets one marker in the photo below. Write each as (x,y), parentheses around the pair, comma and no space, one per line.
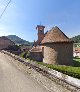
(73,71)
(69,70)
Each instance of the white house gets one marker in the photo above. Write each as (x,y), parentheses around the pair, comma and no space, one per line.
(76,52)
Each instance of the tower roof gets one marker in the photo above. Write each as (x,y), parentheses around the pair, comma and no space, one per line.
(55,35)
(40,26)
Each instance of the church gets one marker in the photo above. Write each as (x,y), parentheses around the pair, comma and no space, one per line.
(52,47)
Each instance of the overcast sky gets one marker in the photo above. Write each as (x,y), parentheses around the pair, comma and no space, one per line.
(22,17)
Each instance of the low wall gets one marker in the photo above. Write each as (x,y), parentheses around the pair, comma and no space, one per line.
(53,80)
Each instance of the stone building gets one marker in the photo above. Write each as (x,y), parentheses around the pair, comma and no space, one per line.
(56,47)
(41,34)
(5,42)
(36,53)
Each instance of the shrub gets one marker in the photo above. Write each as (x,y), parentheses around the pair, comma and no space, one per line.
(28,54)
(76,57)
(22,55)
(25,55)
(76,62)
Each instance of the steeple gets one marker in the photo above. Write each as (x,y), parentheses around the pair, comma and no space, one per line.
(40,29)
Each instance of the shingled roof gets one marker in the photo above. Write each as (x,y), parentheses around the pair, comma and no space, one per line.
(55,35)
(36,49)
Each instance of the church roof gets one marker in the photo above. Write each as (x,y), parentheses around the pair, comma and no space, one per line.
(55,35)
(36,49)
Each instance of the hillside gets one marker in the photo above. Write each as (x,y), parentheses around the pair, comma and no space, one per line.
(18,40)
(76,39)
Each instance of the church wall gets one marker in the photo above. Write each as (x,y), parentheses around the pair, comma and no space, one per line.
(58,53)
(37,56)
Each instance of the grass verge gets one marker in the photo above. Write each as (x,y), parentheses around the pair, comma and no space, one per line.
(73,71)
(69,70)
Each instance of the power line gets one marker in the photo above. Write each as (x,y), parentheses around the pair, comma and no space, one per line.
(5,9)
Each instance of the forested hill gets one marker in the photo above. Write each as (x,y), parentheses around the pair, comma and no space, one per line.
(18,40)
(76,39)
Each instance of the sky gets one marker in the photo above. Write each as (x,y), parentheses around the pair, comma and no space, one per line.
(22,16)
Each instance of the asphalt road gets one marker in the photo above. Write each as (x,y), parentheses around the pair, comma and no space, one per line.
(13,80)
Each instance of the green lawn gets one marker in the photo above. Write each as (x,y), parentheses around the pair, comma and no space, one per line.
(77,59)
(73,71)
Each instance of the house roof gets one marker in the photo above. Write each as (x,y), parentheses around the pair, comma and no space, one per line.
(55,35)
(5,38)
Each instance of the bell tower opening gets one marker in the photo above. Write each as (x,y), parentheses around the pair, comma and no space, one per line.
(41,34)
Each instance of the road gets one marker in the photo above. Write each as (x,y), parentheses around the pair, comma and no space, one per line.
(13,80)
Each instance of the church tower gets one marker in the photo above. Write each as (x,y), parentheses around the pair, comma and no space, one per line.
(41,34)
